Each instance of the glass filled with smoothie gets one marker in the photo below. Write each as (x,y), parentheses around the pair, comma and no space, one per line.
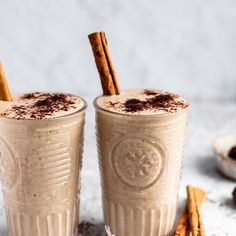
(41,145)
(140,139)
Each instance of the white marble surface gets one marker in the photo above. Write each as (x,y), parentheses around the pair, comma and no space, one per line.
(206,121)
(169,44)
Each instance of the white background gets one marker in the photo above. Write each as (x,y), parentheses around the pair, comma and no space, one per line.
(186,46)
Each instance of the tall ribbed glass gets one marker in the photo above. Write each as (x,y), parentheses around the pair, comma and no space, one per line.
(140,159)
(40,162)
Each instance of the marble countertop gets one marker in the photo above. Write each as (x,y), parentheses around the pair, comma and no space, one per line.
(206,121)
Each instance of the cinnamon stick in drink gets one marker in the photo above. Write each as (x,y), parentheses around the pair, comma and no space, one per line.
(5,93)
(104,64)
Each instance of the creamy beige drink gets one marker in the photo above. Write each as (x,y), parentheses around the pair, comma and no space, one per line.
(41,144)
(140,136)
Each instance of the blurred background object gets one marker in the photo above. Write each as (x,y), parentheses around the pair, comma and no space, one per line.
(184,46)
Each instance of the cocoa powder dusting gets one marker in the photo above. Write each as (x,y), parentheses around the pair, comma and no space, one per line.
(155,100)
(45,104)
(134,105)
(150,92)
(165,102)
(30,95)
(51,104)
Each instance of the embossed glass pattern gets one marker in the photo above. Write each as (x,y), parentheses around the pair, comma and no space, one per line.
(40,162)
(140,159)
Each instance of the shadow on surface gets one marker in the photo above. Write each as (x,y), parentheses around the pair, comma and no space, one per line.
(228,202)
(87,228)
(3,231)
(208,166)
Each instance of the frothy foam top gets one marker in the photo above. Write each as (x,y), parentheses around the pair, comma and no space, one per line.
(41,106)
(142,102)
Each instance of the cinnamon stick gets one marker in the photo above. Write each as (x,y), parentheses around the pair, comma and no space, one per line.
(5,93)
(104,64)
(194,214)
(182,229)
(183,226)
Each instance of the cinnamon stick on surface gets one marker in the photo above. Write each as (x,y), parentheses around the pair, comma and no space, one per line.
(183,227)
(5,93)
(104,64)
(194,213)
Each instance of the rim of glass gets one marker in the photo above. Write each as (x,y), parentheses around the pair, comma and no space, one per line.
(134,115)
(83,108)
